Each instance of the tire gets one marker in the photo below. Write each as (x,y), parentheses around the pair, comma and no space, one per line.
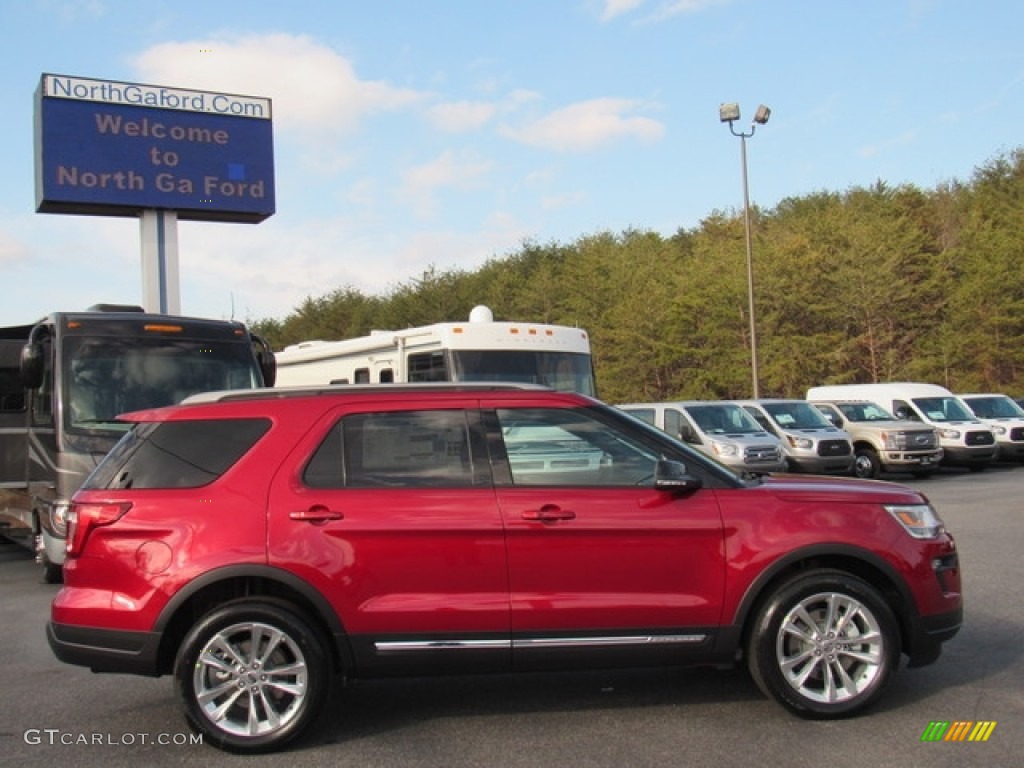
(52,573)
(866,464)
(823,644)
(245,701)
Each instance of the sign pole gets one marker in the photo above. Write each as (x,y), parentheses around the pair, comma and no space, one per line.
(161,289)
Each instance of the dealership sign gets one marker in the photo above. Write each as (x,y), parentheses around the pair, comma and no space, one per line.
(111,148)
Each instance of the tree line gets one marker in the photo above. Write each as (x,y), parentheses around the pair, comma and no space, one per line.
(879,283)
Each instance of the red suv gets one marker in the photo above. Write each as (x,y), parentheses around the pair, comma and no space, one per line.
(261,545)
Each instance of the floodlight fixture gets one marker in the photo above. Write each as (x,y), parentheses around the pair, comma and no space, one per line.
(729,112)
(762,115)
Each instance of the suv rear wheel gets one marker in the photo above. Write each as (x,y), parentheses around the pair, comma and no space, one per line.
(823,644)
(252,676)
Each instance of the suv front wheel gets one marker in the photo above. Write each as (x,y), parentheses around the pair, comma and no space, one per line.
(823,644)
(252,676)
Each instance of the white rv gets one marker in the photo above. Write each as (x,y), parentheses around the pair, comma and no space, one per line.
(966,442)
(1005,418)
(481,349)
(720,429)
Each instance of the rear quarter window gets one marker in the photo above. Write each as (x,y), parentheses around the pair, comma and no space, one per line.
(177,454)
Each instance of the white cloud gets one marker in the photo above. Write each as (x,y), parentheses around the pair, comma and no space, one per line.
(12,249)
(887,145)
(669,8)
(447,170)
(587,125)
(613,8)
(461,116)
(314,89)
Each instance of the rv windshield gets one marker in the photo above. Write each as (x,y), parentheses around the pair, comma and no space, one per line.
(108,376)
(563,371)
(942,409)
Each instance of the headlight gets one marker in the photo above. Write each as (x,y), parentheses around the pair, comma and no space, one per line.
(59,517)
(919,520)
(724,449)
(998,429)
(894,441)
(800,442)
(950,434)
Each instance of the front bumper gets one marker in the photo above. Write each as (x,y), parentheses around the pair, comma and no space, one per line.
(924,645)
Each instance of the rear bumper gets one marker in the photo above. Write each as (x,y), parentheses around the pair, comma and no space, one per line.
(105,650)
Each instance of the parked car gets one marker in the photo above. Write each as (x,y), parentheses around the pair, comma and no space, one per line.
(261,546)
(720,429)
(881,442)
(1006,420)
(966,442)
(811,443)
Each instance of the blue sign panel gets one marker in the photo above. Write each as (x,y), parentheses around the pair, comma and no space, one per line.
(111,148)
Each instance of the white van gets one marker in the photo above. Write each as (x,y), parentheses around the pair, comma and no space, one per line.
(966,442)
(809,440)
(1005,418)
(719,429)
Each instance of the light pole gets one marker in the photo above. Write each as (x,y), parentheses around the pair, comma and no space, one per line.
(729,113)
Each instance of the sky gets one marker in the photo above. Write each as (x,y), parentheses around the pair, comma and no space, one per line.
(412,135)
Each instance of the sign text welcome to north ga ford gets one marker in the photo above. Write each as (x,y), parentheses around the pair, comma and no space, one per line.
(110,148)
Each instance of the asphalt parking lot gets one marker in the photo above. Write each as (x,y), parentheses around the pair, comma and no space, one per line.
(54,714)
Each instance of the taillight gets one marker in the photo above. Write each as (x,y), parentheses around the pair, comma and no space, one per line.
(84,516)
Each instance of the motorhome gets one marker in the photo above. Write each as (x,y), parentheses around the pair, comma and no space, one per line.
(66,379)
(1006,420)
(966,442)
(720,429)
(810,442)
(481,349)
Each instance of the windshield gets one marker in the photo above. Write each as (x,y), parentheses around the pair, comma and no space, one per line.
(109,376)
(865,412)
(564,371)
(797,415)
(997,407)
(723,419)
(942,409)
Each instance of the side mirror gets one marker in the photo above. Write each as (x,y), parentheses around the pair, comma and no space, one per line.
(687,435)
(31,365)
(266,360)
(672,476)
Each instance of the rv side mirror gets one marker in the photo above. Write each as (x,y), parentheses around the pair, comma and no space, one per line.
(672,476)
(265,359)
(31,365)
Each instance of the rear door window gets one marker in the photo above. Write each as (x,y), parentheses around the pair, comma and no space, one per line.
(395,449)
